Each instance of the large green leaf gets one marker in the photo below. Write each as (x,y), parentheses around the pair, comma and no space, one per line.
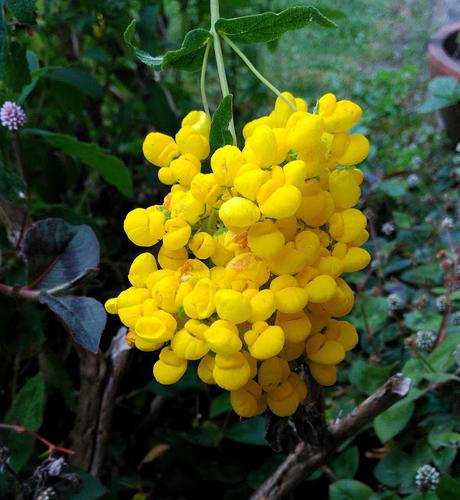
(190,56)
(27,407)
(391,422)
(59,253)
(349,489)
(83,317)
(442,358)
(152,61)
(251,431)
(445,92)
(394,468)
(367,378)
(220,134)
(269,26)
(23,10)
(112,169)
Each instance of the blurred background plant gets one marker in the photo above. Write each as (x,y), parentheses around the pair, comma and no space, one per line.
(78,161)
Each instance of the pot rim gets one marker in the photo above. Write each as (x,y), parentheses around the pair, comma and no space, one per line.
(437,52)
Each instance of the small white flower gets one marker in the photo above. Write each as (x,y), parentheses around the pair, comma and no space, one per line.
(424,340)
(388,228)
(395,302)
(413,180)
(427,477)
(447,223)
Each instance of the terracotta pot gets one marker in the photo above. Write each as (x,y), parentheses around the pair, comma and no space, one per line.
(440,53)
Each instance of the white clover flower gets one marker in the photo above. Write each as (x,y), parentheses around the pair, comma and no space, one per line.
(441,303)
(424,340)
(388,228)
(427,477)
(447,223)
(395,302)
(413,180)
(12,116)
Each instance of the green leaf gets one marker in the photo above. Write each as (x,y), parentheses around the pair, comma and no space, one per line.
(448,488)
(367,378)
(269,26)
(446,439)
(426,274)
(395,188)
(420,320)
(27,407)
(83,317)
(34,65)
(392,421)
(152,61)
(251,431)
(112,169)
(10,184)
(375,310)
(442,358)
(58,253)
(349,489)
(220,404)
(346,464)
(21,447)
(445,92)
(394,468)
(220,134)
(23,10)
(79,79)
(190,56)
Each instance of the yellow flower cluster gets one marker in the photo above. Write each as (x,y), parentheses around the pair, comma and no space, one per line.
(248,277)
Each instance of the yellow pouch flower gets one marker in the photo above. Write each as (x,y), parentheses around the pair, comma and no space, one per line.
(178,233)
(159,327)
(159,149)
(296,327)
(169,369)
(144,227)
(356,259)
(189,346)
(223,338)
(232,306)
(205,370)
(129,305)
(172,259)
(343,332)
(309,244)
(202,245)
(239,212)
(199,121)
(264,239)
(284,400)
(321,289)
(225,163)
(200,303)
(344,188)
(324,351)
(141,268)
(283,202)
(272,372)
(264,341)
(191,142)
(231,372)
(262,305)
(248,183)
(248,401)
(261,147)
(324,374)
(184,169)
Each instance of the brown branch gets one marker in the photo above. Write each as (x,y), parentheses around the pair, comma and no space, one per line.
(305,458)
(117,357)
(100,377)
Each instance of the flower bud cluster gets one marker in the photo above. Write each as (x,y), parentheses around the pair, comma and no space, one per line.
(248,277)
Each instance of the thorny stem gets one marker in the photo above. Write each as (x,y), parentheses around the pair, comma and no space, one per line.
(203,79)
(215,14)
(51,447)
(256,72)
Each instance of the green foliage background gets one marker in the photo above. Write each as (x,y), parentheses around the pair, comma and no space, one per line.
(90,103)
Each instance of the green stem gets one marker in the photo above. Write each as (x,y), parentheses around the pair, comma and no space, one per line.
(215,15)
(257,73)
(203,79)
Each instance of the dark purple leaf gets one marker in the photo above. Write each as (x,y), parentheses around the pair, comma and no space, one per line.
(83,317)
(59,253)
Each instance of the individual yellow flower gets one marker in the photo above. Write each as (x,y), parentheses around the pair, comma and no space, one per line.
(344,188)
(199,121)
(205,369)
(283,202)
(272,372)
(309,244)
(321,289)
(264,341)
(222,337)
(249,400)
(129,305)
(141,268)
(164,293)
(324,374)
(225,163)
(284,400)
(338,116)
(324,351)
(264,239)
(233,306)
(239,213)
(184,169)
(343,332)
(261,147)
(296,327)
(190,343)
(159,327)
(177,234)
(288,261)
(231,372)
(160,149)
(144,227)
(347,225)
(262,304)
(199,304)
(189,141)
(172,259)
(249,182)
(289,297)
(169,369)
(202,245)
(248,270)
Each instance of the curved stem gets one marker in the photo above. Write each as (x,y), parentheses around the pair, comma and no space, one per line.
(215,14)
(203,79)
(257,73)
